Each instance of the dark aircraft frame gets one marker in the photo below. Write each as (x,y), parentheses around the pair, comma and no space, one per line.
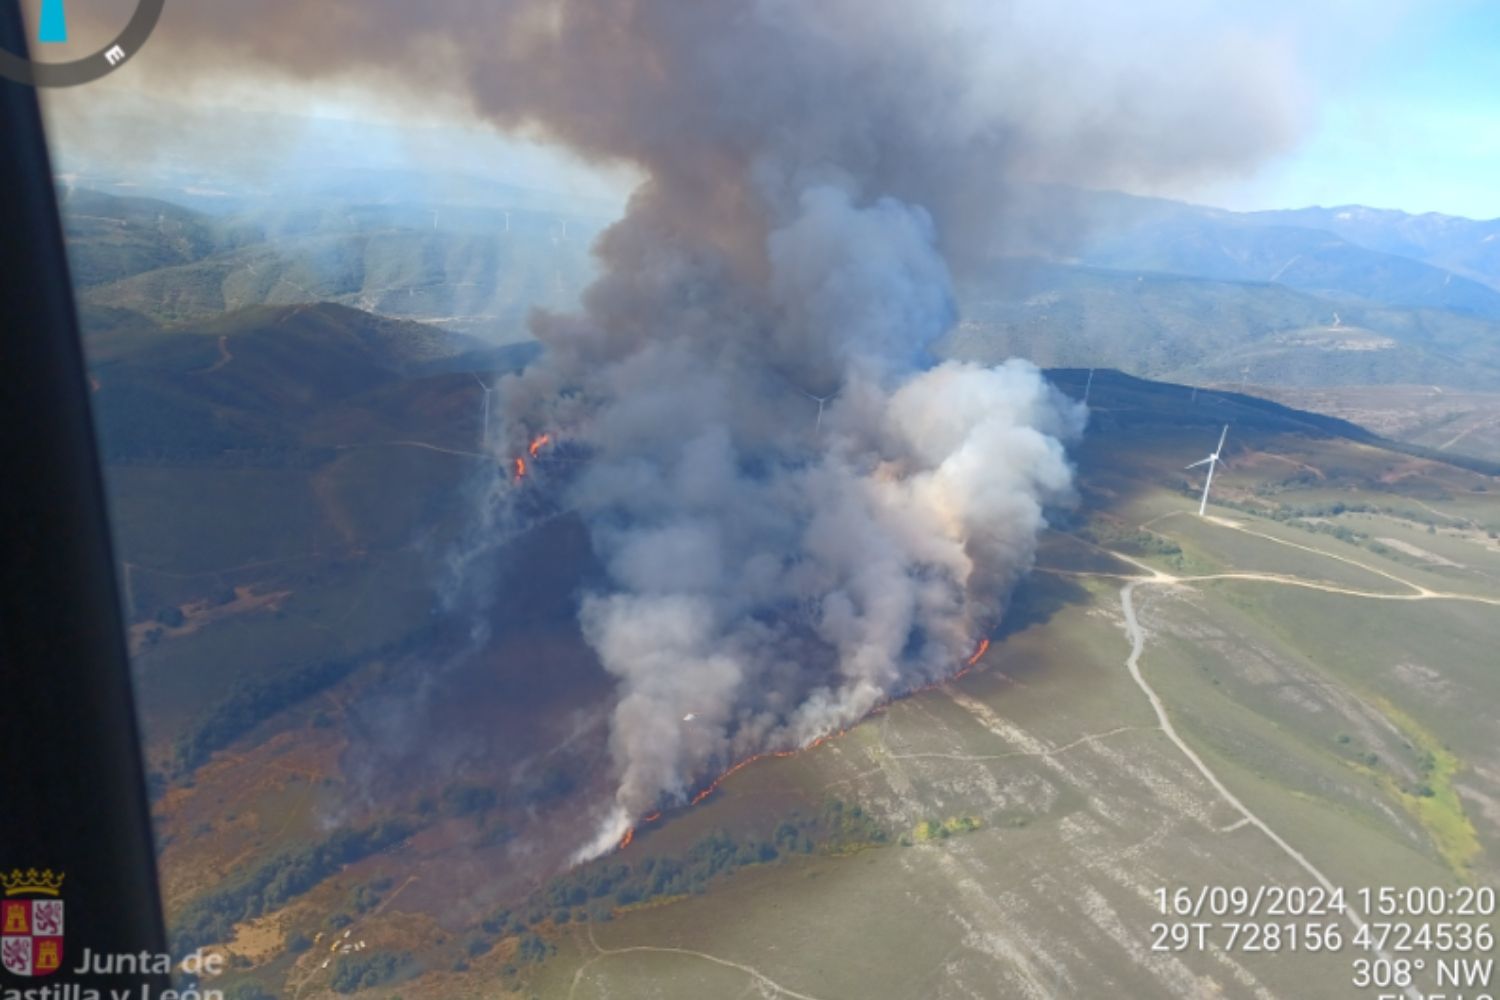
(73,798)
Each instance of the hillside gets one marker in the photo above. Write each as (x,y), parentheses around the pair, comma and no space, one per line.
(1201,330)
(469,268)
(1464,246)
(111,237)
(1337,251)
(1157,288)
(298,663)
(1225,247)
(249,380)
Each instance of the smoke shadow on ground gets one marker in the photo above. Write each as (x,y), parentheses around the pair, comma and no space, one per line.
(1036,599)
(1140,436)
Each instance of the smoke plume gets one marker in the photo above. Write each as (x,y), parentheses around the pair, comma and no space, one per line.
(800,513)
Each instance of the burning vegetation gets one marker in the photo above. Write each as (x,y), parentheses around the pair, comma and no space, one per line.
(775,567)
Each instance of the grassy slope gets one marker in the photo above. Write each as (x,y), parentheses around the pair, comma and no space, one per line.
(168,265)
(253,451)
(1082,807)
(1283,691)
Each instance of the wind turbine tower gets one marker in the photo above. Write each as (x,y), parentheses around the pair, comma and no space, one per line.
(1212,462)
(822,401)
(484,419)
(1088,387)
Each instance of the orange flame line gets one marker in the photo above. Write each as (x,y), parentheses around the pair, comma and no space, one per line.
(541,442)
(713,786)
(520,468)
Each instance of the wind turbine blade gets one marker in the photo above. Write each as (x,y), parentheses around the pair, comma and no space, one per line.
(1198,463)
(1222,436)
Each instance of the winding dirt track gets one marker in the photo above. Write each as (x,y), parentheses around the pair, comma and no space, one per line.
(754,973)
(1137,637)
(1149,577)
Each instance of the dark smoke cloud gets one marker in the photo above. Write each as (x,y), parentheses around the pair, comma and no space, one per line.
(812,170)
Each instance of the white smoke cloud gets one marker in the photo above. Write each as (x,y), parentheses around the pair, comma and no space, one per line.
(811,172)
(772,572)
(773,577)
(777,594)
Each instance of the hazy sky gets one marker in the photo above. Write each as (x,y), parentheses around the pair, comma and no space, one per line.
(1411,122)
(1400,99)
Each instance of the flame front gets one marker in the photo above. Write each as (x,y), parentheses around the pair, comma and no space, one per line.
(713,786)
(520,465)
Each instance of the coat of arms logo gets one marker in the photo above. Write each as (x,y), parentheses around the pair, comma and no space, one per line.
(31,922)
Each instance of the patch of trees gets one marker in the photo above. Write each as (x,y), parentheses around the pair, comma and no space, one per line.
(247,991)
(353,973)
(246,895)
(1310,517)
(1131,541)
(548,785)
(1287,512)
(469,800)
(595,891)
(252,701)
(172,617)
(933,829)
(369,895)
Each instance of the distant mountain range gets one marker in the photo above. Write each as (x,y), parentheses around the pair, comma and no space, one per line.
(1315,297)
(1201,330)
(1296,300)
(1391,258)
(1464,246)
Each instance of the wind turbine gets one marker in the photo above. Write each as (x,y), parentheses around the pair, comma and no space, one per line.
(484,425)
(822,401)
(1087,386)
(1212,462)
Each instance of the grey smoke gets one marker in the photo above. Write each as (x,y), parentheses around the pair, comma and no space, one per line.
(813,170)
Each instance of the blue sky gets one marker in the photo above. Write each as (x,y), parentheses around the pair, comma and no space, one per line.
(1400,105)
(1409,120)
